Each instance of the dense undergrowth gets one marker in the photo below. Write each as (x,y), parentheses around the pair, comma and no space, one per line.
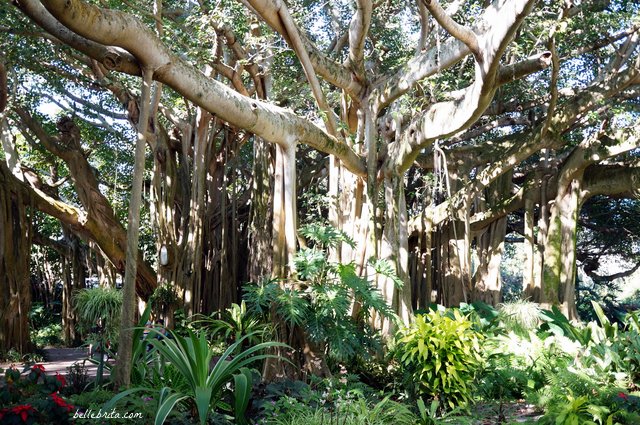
(474,364)
(449,366)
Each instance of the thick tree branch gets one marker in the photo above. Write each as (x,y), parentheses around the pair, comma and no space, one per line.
(358,29)
(447,118)
(566,114)
(612,180)
(274,124)
(460,32)
(329,70)
(298,47)
(436,58)
(99,223)
(111,57)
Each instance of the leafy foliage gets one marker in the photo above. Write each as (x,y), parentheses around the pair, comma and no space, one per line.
(99,305)
(440,356)
(323,298)
(235,323)
(520,316)
(203,382)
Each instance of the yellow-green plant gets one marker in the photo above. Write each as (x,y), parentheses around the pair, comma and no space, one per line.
(440,355)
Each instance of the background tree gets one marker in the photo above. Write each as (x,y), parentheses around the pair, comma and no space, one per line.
(431,130)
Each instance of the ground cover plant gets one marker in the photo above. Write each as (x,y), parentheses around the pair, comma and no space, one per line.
(470,365)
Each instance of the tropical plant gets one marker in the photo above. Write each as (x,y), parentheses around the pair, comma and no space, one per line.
(440,356)
(96,305)
(330,301)
(353,411)
(99,314)
(431,416)
(204,381)
(485,317)
(165,301)
(45,325)
(143,358)
(34,398)
(576,411)
(558,324)
(520,316)
(234,323)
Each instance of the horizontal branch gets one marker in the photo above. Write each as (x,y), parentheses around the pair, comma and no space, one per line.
(445,54)
(446,118)
(531,142)
(111,57)
(324,66)
(272,123)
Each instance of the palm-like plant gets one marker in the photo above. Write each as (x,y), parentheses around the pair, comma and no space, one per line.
(235,323)
(205,384)
(99,305)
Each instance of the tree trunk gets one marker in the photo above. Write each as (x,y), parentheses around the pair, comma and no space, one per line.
(490,246)
(395,249)
(559,272)
(451,274)
(129,299)
(261,214)
(15,249)
(420,270)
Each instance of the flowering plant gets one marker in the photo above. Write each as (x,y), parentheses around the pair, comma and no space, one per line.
(21,414)
(61,380)
(39,399)
(58,410)
(37,370)
(54,383)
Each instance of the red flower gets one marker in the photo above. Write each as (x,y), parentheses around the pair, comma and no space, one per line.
(59,401)
(37,367)
(623,396)
(23,411)
(60,378)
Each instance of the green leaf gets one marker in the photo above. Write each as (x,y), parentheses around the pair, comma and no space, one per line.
(242,393)
(166,402)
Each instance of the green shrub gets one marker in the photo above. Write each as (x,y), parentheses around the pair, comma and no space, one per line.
(350,411)
(440,355)
(47,336)
(234,323)
(45,325)
(321,297)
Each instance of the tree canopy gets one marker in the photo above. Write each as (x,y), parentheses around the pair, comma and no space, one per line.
(423,133)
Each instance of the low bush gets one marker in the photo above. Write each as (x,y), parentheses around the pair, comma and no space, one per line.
(440,356)
(32,397)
